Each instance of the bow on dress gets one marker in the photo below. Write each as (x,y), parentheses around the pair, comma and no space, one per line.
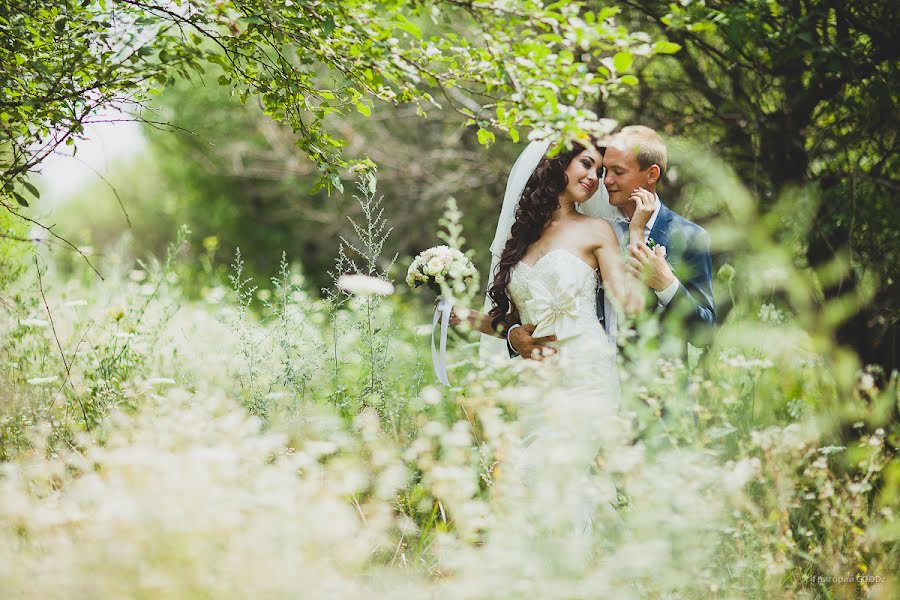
(554,313)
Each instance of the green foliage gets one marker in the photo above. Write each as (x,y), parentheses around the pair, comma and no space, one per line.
(527,67)
(243,168)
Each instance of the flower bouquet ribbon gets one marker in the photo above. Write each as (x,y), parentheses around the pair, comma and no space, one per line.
(439,357)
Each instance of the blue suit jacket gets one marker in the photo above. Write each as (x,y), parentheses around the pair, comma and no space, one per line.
(687,250)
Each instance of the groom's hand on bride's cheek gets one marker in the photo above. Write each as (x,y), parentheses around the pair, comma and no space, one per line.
(650,266)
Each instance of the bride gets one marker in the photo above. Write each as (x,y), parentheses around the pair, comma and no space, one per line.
(547,254)
(549,259)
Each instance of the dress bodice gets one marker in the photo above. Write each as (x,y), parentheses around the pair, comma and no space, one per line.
(558,294)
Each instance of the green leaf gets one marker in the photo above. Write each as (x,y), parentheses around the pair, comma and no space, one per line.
(622,61)
(363,109)
(667,47)
(514,134)
(20,199)
(404,24)
(33,190)
(485,137)
(328,27)
(629,80)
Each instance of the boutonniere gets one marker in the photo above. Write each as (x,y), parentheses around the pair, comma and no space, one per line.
(651,243)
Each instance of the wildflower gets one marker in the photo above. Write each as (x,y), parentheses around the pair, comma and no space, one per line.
(42,380)
(33,323)
(116,313)
(736,360)
(768,313)
(727,273)
(364,285)
(214,295)
(137,275)
(160,381)
(72,303)
(431,396)
(866,382)
(211,243)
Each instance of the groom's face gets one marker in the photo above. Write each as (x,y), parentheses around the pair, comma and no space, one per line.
(623,174)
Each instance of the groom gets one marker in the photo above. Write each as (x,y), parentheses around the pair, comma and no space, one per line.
(675,263)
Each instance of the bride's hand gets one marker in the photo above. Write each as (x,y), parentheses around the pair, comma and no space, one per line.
(645,204)
(459,314)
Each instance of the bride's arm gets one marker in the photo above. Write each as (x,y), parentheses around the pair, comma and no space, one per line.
(644,206)
(623,287)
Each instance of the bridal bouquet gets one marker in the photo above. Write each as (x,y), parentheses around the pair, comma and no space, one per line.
(448,271)
(444,270)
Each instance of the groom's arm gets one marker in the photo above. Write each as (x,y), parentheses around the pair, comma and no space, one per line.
(513,322)
(509,346)
(522,343)
(693,306)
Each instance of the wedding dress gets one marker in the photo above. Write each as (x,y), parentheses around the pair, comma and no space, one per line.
(573,412)
(558,295)
(566,405)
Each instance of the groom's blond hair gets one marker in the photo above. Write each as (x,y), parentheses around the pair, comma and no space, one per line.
(648,147)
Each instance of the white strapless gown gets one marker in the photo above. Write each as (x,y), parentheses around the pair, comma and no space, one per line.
(573,413)
(559,296)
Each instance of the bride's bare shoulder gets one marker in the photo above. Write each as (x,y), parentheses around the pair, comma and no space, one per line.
(600,230)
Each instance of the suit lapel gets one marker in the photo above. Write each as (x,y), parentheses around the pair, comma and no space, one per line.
(660,231)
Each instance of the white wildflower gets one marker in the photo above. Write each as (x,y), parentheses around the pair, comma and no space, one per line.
(867,382)
(768,313)
(34,323)
(364,285)
(214,295)
(42,380)
(431,396)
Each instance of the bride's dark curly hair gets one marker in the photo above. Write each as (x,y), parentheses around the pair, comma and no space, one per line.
(539,199)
